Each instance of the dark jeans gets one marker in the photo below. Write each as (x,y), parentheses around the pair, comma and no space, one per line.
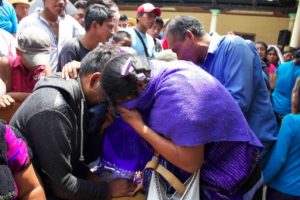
(273,194)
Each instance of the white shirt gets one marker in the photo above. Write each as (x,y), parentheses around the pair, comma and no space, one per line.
(68,28)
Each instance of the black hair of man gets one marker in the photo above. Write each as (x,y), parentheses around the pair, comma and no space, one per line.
(80,4)
(96,59)
(108,3)
(123,18)
(98,13)
(120,35)
(159,21)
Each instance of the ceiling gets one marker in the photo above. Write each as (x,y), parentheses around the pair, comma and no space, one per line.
(278,7)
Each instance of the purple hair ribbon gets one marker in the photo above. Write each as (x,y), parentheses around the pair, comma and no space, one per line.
(127,68)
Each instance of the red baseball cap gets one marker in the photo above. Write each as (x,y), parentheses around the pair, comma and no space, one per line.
(147,8)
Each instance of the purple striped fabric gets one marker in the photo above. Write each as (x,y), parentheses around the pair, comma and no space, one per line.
(17,151)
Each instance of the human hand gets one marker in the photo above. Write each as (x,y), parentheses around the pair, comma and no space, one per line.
(6,101)
(132,117)
(70,70)
(121,188)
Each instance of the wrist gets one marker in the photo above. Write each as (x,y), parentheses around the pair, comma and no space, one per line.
(141,129)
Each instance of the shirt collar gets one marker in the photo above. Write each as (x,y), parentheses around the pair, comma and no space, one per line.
(215,41)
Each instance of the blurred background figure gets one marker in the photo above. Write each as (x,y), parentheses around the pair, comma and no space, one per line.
(21,8)
(123,21)
(288,55)
(131,22)
(274,57)
(8,18)
(268,68)
(282,173)
(286,75)
(155,32)
(8,44)
(122,38)
(52,18)
(21,73)
(79,15)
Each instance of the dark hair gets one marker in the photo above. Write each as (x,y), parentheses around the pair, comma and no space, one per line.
(273,49)
(96,59)
(266,48)
(120,35)
(118,86)
(159,21)
(98,13)
(123,17)
(80,4)
(107,3)
(180,25)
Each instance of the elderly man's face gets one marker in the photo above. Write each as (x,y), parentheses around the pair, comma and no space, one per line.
(183,48)
(56,7)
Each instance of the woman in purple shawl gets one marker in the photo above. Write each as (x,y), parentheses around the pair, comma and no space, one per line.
(190,119)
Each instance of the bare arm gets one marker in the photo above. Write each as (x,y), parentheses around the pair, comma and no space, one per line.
(48,70)
(29,184)
(189,159)
(5,73)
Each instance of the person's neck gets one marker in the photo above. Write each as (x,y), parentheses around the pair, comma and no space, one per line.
(88,41)
(202,47)
(141,28)
(47,15)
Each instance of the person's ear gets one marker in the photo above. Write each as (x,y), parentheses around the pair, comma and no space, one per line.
(95,80)
(189,35)
(94,25)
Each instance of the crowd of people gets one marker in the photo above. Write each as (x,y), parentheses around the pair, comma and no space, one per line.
(100,95)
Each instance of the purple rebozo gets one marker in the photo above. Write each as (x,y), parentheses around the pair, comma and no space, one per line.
(189,107)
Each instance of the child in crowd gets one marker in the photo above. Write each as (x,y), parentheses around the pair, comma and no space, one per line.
(122,38)
(21,73)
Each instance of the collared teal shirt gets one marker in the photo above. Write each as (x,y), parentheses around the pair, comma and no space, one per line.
(236,64)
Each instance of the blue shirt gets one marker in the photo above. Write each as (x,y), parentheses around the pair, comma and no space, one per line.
(283,169)
(8,18)
(287,74)
(236,64)
(137,44)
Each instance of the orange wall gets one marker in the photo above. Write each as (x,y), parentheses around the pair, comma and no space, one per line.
(265,28)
